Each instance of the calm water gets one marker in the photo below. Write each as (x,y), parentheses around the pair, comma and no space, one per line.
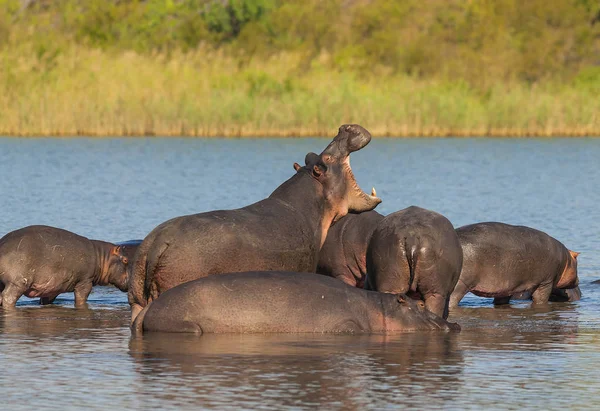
(119,189)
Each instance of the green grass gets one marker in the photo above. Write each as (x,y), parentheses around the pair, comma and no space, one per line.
(82,91)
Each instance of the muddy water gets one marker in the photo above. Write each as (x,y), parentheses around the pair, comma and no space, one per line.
(118,189)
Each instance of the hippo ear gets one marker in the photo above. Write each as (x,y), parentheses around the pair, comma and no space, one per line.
(116,250)
(297,166)
(401,298)
(574,254)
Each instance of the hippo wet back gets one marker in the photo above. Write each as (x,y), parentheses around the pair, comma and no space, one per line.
(42,261)
(344,253)
(415,251)
(282,232)
(502,260)
(282,302)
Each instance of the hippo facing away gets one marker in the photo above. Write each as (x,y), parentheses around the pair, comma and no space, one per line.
(282,302)
(42,261)
(415,251)
(344,253)
(502,260)
(282,232)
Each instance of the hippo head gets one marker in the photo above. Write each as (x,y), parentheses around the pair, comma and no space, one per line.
(117,273)
(568,278)
(402,313)
(332,169)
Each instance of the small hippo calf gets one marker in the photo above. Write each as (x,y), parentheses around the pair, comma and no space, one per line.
(415,251)
(502,260)
(282,302)
(42,261)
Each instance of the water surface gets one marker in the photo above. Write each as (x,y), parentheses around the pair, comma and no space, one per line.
(118,189)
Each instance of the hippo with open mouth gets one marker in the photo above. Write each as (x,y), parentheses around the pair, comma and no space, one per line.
(282,232)
(283,302)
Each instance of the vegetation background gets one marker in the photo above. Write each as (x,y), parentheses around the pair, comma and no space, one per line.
(278,68)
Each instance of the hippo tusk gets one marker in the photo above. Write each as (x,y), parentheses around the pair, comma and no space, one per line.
(373,192)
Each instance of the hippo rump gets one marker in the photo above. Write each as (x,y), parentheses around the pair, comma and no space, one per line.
(415,251)
(282,302)
(42,261)
(282,232)
(344,253)
(502,260)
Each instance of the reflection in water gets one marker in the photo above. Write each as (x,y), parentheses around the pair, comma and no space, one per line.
(292,370)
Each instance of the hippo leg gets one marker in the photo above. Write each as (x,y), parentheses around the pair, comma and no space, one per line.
(459,292)
(47,300)
(502,300)
(542,294)
(11,294)
(82,292)
(437,304)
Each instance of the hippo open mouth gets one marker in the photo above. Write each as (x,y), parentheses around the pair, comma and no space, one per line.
(351,138)
(358,200)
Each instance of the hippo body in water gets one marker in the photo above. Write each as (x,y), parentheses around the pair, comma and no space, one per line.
(502,260)
(282,232)
(282,302)
(558,295)
(42,261)
(344,253)
(415,251)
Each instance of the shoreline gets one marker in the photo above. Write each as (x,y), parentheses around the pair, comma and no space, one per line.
(305,133)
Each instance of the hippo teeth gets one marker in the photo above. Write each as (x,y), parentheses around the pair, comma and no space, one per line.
(373,192)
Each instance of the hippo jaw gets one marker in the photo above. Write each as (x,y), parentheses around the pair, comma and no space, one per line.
(358,201)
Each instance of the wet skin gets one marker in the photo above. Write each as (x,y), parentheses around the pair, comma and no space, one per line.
(42,261)
(282,302)
(415,251)
(344,253)
(283,232)
(502,260)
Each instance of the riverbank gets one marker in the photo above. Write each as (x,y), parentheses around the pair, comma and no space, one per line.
(81,91)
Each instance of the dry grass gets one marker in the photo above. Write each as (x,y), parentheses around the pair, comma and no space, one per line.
(95,93)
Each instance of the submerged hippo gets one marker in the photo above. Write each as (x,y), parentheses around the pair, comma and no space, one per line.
(42,261)
(502,260)
(282,302)
(415,251)
(344,253)
(282,232)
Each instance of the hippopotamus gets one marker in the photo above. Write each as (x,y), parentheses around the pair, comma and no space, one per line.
(344,252)
(42,261)
(415,251)
(282,232)
(501,260)
(129,247)
(282,302)
(596,282)
(557,295)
